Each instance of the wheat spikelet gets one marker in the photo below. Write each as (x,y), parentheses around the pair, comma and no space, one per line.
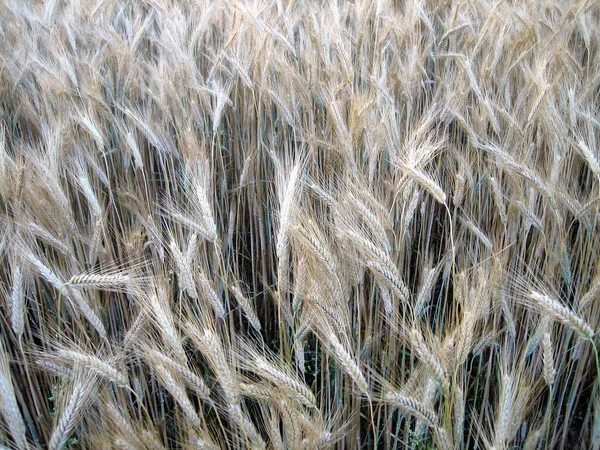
(201,182)
(86,121)
(282,106)
(145,127)
(340,127)
(508,316)
(532,219)
(124,444)
(565,263)
(221,94)
(295,388)
(333,315)
(273,428)
(533,439)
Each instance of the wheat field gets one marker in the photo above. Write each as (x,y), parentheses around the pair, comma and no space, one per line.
(299,224)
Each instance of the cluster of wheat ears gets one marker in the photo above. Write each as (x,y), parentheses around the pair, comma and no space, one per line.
(299,224)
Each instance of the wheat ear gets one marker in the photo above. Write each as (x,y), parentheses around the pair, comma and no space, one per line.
(563,314)
(17,303)
(178,394)
(79,395)
(247,307)
(8,402)
(95,365)
(346,361)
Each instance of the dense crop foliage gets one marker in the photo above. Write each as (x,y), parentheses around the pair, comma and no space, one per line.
(299,225)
